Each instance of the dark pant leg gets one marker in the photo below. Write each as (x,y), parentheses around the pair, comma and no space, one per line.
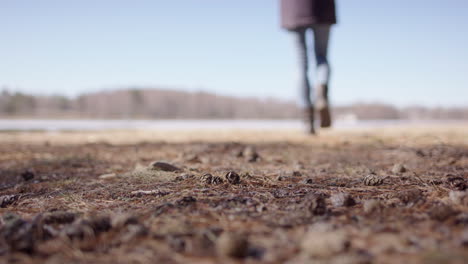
(303,67)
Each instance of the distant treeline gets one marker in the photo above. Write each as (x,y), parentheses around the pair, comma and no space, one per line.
(168,104)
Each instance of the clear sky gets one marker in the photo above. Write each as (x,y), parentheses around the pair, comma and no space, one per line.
(396,51)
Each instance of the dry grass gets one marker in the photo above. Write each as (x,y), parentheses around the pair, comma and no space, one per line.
(290,193)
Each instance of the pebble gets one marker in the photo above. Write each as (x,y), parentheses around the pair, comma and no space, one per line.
(134,231)
(108,176)
(398,168)
(186,201)
(342,199)
(18,233)
(88,228)
(183,177)
(28,175)
(280,178)
(121,220)
(296,174)
(163,166)
(232,245)
(250,154)
(78,231)
(372,205)
(100,223)
(409,196)
(308,181)
(59,217)
(178,244)
(158,193)
(459,197)
(192,158)
(441,212)
(316,204)
(324,244)
(464,239)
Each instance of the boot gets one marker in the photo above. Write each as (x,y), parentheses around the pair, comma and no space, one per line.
(322,105)
(309,119)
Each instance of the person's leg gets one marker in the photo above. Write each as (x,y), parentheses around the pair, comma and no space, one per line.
(321,39)
(303,78)
(303,67)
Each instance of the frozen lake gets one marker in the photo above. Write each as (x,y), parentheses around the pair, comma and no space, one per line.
(89,125)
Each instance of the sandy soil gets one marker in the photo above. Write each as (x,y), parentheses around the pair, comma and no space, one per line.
(358,196)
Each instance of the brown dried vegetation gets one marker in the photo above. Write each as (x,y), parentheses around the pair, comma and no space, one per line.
(297,203)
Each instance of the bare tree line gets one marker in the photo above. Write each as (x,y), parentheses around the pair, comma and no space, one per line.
(137,103)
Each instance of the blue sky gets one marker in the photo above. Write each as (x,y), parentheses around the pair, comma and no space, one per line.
(394,51)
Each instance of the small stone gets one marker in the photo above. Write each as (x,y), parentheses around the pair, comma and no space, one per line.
(299,166)
(461,219)
(158,193)
(184,176)
(238,153)
(442,212)
(342,199)
(121,220)
(28,175)
(261,208)
(186,201)
(59,217)
(18,234)
(324,244)
(409,196)
(79,230)
(232,177)
(133,231)
(398,168)
(192,158)
(176,243)
(108,176)
(100,223)
(308,181)
(373,180)
(250,154)
(372,205)
(163,166)
(296,174)
(316,205)
(9,218)
(232,245)
(464,239)
(163,208)
(88,228)
(458,197)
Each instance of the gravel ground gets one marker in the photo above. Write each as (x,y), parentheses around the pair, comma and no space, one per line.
(368,196)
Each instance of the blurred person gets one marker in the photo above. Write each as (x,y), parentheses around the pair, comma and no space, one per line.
(314,17)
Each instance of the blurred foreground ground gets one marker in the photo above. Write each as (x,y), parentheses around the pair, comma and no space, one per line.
(349,196)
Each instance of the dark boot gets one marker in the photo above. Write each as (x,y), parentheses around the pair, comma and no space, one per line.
(309,119)
(322,105)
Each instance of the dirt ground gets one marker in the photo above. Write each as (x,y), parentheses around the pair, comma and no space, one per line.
(360,196)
